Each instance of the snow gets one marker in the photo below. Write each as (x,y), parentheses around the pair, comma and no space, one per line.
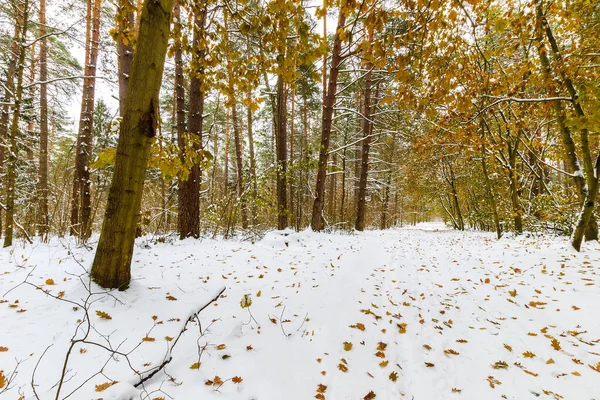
(453,290)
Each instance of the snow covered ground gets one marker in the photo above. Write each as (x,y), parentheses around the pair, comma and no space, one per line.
(400,314)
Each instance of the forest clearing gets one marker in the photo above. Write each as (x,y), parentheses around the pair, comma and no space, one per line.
(411,313)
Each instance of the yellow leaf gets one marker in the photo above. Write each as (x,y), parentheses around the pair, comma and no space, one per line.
(513,293)
(195,365)
(576,373)
(381,346)
(246,301)
(528,354)
(221,346)
(104,386)
(258,293)
(450,351)
(384,364)
(595,367)
(2,379)
(555,344)
(168,338)
(50,281)
(402,328)
(347,346)
(103,314)
(148,339)
(500,365)
(393,376)
(550,361)
(507,347)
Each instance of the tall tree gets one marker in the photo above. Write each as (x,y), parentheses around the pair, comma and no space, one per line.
(112,263)
(21,27)
(43,218)
(367,129)
(318,222)
(81,194)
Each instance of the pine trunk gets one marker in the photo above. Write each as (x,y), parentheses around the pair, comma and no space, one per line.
(22,20)
(367,128)
(317,221)
(81,201)
(189,189)
(112,264)
(43,220)
(281,150)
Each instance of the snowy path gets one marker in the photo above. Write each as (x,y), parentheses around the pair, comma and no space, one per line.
(401,314)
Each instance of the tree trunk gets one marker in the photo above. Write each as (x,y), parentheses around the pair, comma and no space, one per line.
(81,201)
(125,21)
(490,193)
(281,150)
(43,220)
(8,93)
(367,128)
(318,222)
(252,159)
(189,188)
(22,20)
(585,181)
(112,264)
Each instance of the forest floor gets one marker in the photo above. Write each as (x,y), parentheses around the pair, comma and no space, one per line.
(420,314)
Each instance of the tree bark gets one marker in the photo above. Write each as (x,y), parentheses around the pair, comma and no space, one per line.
(112,264)
(81,201)
(125,21)
(43,220)
(317,221)
(281,150)
(586,181)
(367,128)
(8,93)
(22,19)
(189,188)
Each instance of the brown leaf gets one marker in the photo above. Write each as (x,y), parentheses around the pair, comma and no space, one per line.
(347,346)
(104,386)
(148,339)
(381,346)
(236,379)
(380,354)
(500,365)
(103,314)
(50,281)
(195,365)
(2,379)
(393,376)
(171,298)
(450,351)
(321,388)
(370,396)
(221,346)
(3,349)
(528,354)
(507,347)
(384,364)
(555,344)
(342,367)
(402,328)
(429,365)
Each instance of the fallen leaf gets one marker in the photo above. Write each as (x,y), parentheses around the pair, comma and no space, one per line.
(195,365)
(104,386)
(103,314)
(236,379)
